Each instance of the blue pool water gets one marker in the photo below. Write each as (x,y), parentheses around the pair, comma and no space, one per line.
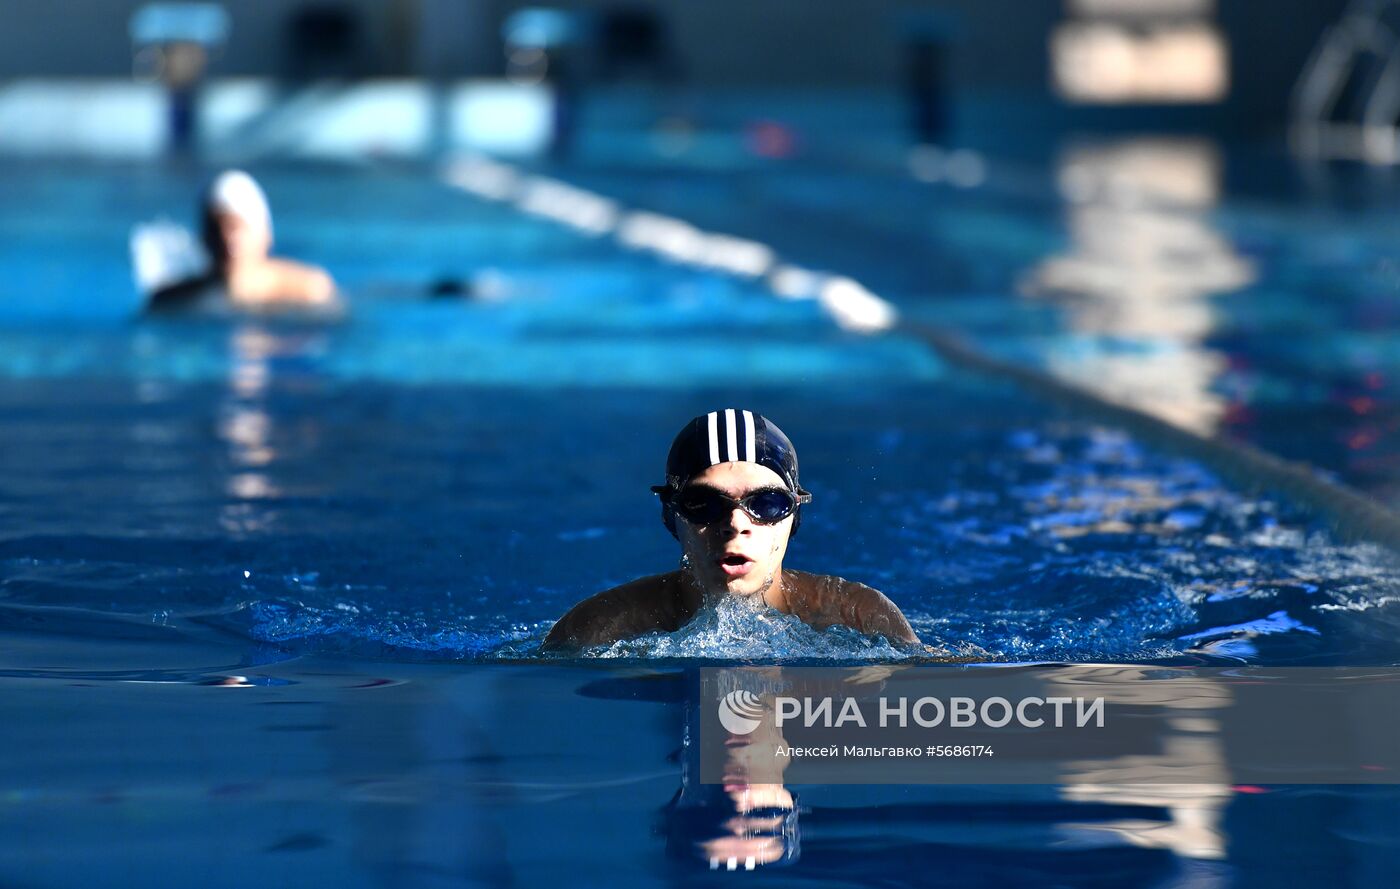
(374,521)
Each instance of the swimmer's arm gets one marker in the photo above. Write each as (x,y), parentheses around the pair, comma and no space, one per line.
(882,617)
(304,283)
(622,612)
(585,625)
(872,612)
(283,282)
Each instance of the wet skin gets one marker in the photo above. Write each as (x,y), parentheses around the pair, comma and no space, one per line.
(734,557)
(249,277)
(255,279)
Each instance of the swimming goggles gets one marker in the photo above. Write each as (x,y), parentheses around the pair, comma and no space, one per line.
(702,505)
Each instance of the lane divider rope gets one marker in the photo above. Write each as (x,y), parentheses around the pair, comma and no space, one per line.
(853,307)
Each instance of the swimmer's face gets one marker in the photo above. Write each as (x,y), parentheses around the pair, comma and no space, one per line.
(244,238)
(736,555)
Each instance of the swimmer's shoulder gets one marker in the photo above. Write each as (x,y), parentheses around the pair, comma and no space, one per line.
(312,282)
(282,282)
(829,600)
(622,612)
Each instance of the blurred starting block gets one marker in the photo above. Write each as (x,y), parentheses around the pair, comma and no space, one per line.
(172,44)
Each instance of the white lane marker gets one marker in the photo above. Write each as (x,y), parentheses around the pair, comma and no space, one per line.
(849,303)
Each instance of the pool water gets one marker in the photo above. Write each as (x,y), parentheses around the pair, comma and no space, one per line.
(271,591)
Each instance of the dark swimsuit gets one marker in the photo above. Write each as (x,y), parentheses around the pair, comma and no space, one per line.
(204,294)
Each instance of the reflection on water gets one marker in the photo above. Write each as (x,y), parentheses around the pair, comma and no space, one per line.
(751,819)
(734,827)
(1127,818)
(246,430)
(1191,826)
(530,775)
(246,425)
(741,823)
(1136,283)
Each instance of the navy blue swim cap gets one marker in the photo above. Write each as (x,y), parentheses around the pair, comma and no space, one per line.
(727,436)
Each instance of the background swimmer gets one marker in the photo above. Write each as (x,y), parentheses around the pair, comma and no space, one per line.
(732,499)
(236,231)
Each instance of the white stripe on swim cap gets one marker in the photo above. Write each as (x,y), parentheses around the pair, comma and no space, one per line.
(748,437)
(730,433)
(714,438)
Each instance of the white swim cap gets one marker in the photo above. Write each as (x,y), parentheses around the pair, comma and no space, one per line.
(237,193)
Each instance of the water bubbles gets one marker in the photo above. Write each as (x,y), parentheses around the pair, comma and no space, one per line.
(735,629)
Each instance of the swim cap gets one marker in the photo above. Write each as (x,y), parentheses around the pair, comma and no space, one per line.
(236,193)
(727,436)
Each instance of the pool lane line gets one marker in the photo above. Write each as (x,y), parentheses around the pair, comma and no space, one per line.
(854,307)
(1350,512)
(845,300)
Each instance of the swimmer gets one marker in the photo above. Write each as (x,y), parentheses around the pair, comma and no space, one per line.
(732,499)
(236,228)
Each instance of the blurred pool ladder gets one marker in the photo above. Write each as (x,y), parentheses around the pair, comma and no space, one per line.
(1346,103)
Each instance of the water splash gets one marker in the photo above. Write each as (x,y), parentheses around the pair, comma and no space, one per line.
(735,629)
(731,630)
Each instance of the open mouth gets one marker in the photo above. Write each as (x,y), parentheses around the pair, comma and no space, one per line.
(735,565)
